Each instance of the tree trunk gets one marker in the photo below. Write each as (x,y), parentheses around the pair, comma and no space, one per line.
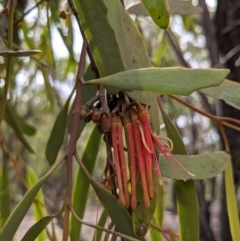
(227,25)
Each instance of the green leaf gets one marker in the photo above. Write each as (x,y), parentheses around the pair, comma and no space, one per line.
(115,210)
(232,207)
(227,91)
(5,197)
(159,12)
(187,204)
(100,36)
(38,206)
(58,132)
(25,127)
(17,215)
(38,227)
(49,89)
(80,193)
(176,7)
(202,166)
(13,122)
(169,81)
(141,216)
(158,215)
(6,52)
(102,221)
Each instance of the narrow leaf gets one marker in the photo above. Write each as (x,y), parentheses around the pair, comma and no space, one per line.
(176,7)
(227,91)
(100,36)
(159,12)
(57,134)
(202,166)
(25,127)
(187,204)
(13,122)
(38,227)
(5,198)
(232,203)
(38,206)
(169,81)
(6,52)
(115,210)
(80,193)
(17,215)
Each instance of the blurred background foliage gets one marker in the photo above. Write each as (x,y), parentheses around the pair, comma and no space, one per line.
(41,84)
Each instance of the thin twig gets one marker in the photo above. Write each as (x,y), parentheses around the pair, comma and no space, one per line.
(28,11)
(71,148)
(219,120)
(163,231)
(103,101)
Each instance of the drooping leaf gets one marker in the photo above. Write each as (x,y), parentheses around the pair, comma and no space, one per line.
(80,193)
(187,204)
(48,87)
(115,210)
(25,127)
(159,11)
(176,7)
(202,166)
(38,206)
(13,122)
(232,207)
(176,80)
(6,52)
(37,228)
(17,215)
(57,134)
(227,91)
(5,198)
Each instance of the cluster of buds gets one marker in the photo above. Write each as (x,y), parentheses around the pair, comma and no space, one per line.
(141,148)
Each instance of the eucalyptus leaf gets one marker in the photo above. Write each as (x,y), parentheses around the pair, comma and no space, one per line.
(6,52)
(17,215)
(5,197)
(159,11)
(187,204)
(39,204)
(14,123)
(202,166)
(232,207)
(37,228)
(25,127)
(227,91)
(115,210)
(169,81)
(58,132)
(176,7)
